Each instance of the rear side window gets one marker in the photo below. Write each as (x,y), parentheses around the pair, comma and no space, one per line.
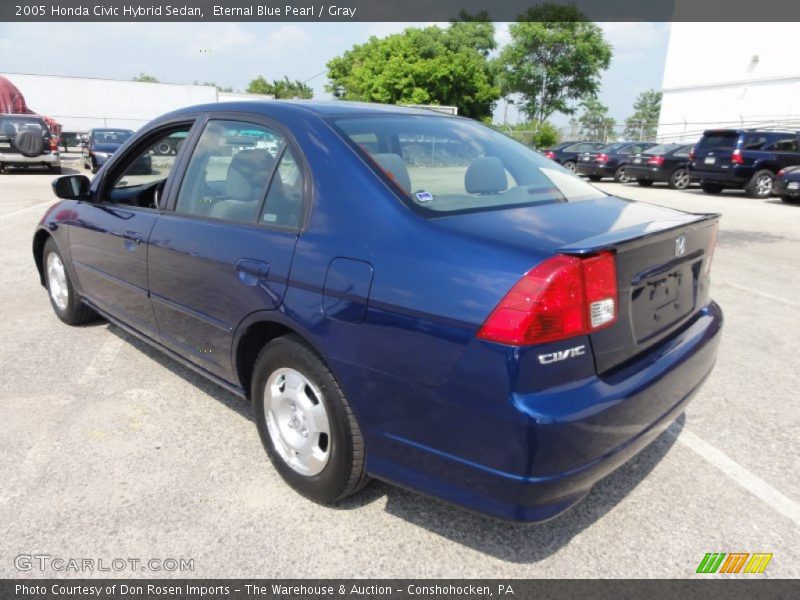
(722,141)
(230,169)
(786,144)
(683,152)
(662,149)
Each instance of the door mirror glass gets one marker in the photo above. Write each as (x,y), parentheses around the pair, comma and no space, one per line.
(71,187)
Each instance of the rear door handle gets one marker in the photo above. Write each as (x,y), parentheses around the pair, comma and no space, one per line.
(251,272)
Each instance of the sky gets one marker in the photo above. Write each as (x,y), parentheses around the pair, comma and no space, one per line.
(231,54)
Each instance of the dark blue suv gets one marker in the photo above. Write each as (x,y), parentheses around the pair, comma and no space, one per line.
(401,294)
(743,159)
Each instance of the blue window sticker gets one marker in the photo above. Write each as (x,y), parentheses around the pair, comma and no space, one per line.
(424,196)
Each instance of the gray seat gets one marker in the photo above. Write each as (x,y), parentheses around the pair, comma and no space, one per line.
(395,167)
(244,185)
(486,175)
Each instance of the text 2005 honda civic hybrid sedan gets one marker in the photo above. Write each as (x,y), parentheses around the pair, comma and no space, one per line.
(402,295)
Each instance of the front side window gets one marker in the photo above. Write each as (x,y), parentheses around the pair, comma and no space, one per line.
(152,164)
(448,165)
(230,170)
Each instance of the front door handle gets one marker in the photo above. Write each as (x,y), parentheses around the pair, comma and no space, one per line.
(251,272)
(133,236)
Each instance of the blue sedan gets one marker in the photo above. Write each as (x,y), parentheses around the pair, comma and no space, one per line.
(402,295)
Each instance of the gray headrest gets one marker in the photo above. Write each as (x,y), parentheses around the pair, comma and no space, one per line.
(486,175)
(395,167)
(248,173)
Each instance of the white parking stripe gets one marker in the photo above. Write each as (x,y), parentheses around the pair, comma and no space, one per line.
(23,210)
(752,483)
(742,288)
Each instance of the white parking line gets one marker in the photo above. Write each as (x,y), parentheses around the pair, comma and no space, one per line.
(752,483)
(23,210)
(766,295)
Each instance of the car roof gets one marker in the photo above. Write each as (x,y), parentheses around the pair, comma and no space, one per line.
(321,108)
(732,132)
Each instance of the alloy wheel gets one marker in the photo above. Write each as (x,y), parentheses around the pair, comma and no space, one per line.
(297,421)
(57,281)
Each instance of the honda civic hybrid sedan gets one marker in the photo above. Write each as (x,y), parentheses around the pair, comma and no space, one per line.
(401,294)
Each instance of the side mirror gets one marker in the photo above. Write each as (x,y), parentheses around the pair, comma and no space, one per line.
(71,187)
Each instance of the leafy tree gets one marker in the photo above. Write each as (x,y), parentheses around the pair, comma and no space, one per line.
(595,122)
(219,87)
(145,78)
(642,124)
(280,88)
(422,66)
(538,135)
(555,57)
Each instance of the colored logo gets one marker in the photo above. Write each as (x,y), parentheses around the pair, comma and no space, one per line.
(734,562)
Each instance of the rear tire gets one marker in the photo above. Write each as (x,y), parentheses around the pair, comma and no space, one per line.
(65,301)
(620,176)
(569,166)
(760,185)
(594,178)
(679,180)
(644,182)
(711,188)
(291,420)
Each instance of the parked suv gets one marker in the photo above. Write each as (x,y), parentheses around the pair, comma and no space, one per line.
(26,141)
(739,159)
(611,161)
(567,153)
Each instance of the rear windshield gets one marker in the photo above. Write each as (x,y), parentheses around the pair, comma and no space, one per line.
(719,141)
(111,136)
(662,149)
(613,147)
(449,165)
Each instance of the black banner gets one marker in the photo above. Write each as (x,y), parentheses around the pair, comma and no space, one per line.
(712,588)
(388,10)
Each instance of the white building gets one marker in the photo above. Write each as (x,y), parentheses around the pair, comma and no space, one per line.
(81,103)
(738,75)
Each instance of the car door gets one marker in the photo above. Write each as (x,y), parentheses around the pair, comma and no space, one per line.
(225,249)
(109,236)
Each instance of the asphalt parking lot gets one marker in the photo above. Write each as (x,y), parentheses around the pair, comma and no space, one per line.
(112,450)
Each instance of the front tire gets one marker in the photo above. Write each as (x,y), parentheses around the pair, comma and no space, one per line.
(680,179)
(305,422)
(65,302)
(760,185)
(569,166)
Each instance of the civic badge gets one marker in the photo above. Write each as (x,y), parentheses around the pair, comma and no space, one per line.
(680,246)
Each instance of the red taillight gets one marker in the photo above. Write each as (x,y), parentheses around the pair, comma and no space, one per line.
(691,154)
(53,144)
(781,173)
(550,154)
(602,158)
(736,157)
(562,297)
(656,161)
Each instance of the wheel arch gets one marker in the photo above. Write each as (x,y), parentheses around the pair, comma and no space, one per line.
(255,332)
(39,240)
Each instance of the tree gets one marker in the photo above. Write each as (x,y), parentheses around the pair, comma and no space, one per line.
(280,88)
(422,66)
(595,122)
(642,124)
(538,135)
(555,57)
(145,78)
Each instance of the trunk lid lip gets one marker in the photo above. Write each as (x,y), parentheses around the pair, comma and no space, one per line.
(639,235)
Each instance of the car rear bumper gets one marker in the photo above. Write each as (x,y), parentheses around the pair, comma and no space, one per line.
(736,177)
(51,159)
(595,170)
(780,187)
(538,462)
(646,173)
